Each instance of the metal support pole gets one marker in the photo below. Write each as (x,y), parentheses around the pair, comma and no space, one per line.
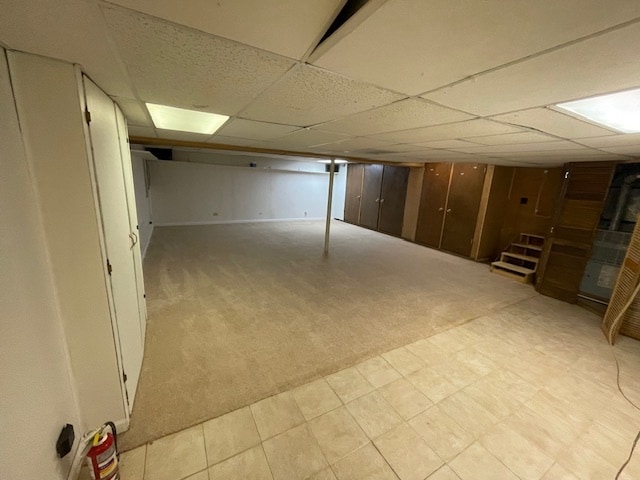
(327,230)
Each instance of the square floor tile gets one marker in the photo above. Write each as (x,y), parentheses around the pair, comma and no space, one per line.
(558,472)
(432,384)
(472,416)
(338,434)
(454,339)
(457,373)
(403,360)
(203,475)
(428,352)
(132,463)
(276,414)
(520,455)
(406,399)
(548,435)
(349,384)
(493,400)
(294,455)
(474,360)
(441,432)
(316,398)
(177,455)
(364,464)
(476,463)
(230,434)
(377,371)
(248,465)
(326,474)
(444,473)
(374,415)
(409,456)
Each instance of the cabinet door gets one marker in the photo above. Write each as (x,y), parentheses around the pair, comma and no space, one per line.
(463,203)
(114,213)
(433,200)
(127,170)
(566,251)
(393,195)
(370,205)
(355,173)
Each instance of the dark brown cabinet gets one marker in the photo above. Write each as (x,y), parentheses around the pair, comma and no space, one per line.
(449,206)
(355,176)
(435,187)
(370,205)
(393,194)
(375,197)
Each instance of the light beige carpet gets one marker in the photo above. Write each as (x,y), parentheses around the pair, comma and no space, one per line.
(240,312)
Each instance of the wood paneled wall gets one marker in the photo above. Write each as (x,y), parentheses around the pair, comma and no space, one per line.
(491,219)
(530,204)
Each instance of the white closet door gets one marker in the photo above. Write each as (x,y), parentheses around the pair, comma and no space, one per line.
(133,217)
(119,243)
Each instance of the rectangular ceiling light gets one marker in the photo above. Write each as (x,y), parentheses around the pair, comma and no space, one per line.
(338,161)
(617,111)
(171,118)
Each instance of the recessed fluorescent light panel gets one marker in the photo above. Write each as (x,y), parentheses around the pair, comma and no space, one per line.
(171,118)
(617,111)
(337,162)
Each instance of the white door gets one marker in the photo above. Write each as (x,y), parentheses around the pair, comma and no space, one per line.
(125,154)
(119,242)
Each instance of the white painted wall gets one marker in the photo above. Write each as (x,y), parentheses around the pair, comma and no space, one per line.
(52,123)
(143,200)
(36,393)
(187,193)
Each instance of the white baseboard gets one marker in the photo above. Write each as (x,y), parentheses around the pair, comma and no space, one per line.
(222,222)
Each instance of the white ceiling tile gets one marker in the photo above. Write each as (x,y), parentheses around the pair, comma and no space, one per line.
(632,150)
(402,115)
(308,95)
(513,138)
(135,131)
(612,140)
(307,138)
(134,111)
(449,144)
(180,67)
(240,127)
(413,46)
(569,73)
(522,147)
(553,122)
(71,30)
(287,27)
(353,144)
(561,158)
(565,153)
(449,131)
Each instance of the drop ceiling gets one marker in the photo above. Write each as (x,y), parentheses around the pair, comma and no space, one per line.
(401,80)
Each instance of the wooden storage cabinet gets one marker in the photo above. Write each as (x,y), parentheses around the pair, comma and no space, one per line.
(449,206)
(376,196)
(355,176)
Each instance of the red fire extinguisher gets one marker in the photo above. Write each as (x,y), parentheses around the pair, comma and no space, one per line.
(102,457)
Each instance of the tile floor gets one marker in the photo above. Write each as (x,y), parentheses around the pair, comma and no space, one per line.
(527,393)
